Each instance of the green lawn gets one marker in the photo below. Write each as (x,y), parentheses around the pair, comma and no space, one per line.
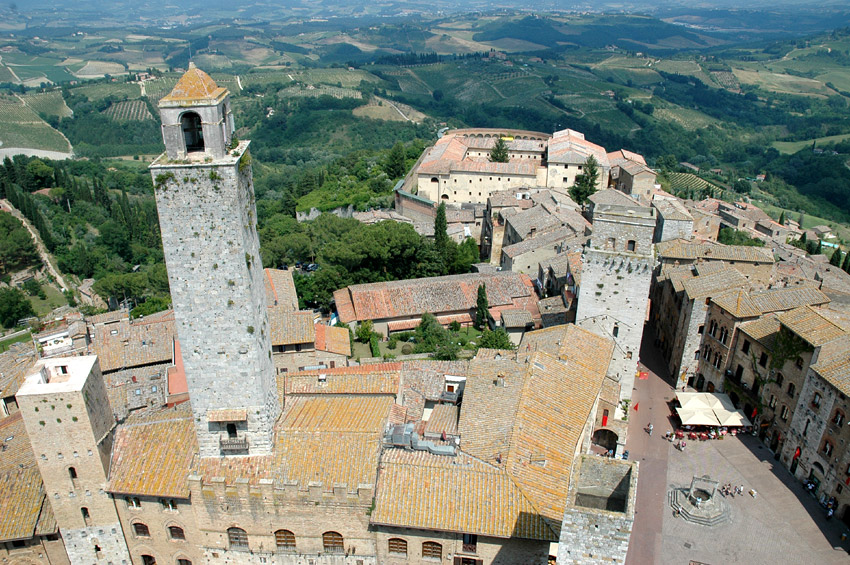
(54,300)
(5,344)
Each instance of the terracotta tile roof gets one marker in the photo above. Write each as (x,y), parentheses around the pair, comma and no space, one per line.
(333,339)
(623,155)
(252,468)
(140,342)
(520,434)
(105,318)
(569,146)
(121,385)
(763,330)
(680,249)
(672,210)
(163,440)
(836,369)
(484,354)
(611,196)
(807,323)
(742,304)
(516,318)
(194,85)
(280,289)
(546,217)
(455,494)
(554,238)
(21,489)
(718,282)
(414,297)
(287,327)
(384,378)
(14,365)
(443,420)
(331,439)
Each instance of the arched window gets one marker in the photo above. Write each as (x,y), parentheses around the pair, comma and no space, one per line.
(184,562)
(435,179)
(148,560)
(432,549)
(779,379)
(237,538)
(285,541)
(176,532)
(86,516)
(332,542)
(397,546)
(193,132)
(141,530)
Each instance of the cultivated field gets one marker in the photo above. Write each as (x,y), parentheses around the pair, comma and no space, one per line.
(49,103)
(20,127)
(97,69)
(103,89)
(315,92)
(782,83)
(789,147)
(129,111)
(687,181)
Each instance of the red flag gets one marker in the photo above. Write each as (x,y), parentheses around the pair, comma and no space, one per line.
(755,411)
(636,405)
(796,454)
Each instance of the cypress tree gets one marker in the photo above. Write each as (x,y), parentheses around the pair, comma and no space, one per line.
(846,265)
(835,260)
(482,311)
(441,238)
(782,218)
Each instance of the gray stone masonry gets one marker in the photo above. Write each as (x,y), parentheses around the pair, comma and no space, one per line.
(600,511)
(207,216)
(70,424)
(613,301)
(216,124)
(616,274)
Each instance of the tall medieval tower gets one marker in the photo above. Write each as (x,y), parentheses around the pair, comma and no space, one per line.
(207,216)
(616,274)
(71,427)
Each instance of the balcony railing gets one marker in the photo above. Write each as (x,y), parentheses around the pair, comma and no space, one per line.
(234,444)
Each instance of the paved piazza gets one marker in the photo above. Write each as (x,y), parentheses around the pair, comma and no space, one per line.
(783,524)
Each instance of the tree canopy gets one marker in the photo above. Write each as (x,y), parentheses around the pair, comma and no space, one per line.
(585,184)
(499,153)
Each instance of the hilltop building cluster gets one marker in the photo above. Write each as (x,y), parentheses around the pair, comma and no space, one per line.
(237,428)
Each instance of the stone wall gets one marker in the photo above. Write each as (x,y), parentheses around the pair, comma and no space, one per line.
(613,302)
(462,187)
(207,216)
(492,551)
(590,533)
(307,511)
(158,517)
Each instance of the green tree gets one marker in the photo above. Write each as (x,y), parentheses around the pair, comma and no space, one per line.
(364,331)
(497,339)
(429,334)
(14,306)
(395,165)
(482,310)
(782,218)
(846,265)
(585,184)
(499,153)
(441,237)
(835,260)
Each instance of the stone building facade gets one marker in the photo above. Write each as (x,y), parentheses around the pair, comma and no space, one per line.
(619,261)
(207,217)
(70,425)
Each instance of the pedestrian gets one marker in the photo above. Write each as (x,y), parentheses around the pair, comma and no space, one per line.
(649,428)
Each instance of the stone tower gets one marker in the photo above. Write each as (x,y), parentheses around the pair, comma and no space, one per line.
(616,274)
(207,216)
(70,424)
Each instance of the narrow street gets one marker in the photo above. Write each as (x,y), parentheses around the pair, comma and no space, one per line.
(649,405)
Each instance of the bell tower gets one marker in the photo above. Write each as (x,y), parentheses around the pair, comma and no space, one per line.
(207,215)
